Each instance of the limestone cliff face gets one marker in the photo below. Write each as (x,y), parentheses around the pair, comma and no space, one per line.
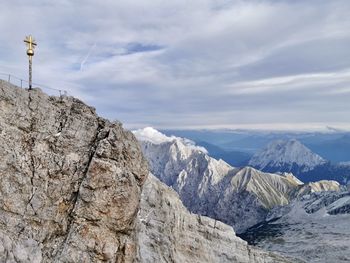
(70,189)
(168,232)
(70,181)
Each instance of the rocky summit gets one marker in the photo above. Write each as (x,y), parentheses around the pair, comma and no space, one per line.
(70,191)
(70,181)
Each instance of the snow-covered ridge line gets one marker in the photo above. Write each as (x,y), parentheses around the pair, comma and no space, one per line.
(208,186)
(152,135)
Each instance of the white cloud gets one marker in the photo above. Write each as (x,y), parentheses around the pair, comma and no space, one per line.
(219,63)
(299,82)
(150,134)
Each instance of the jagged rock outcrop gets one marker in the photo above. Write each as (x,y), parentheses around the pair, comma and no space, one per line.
(240,197)
(168,232)
(70,181)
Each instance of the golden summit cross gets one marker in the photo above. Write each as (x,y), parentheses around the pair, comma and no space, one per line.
(31,44)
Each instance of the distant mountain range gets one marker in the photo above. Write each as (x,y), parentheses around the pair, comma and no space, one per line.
(335,149)
(235,158)
(209,187)
(275,211)
(333,146)
(286,155)
(294,157)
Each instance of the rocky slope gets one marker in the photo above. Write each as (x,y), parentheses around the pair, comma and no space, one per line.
(70,189)
(168,232)
(70,181)
(314,228)
(241,197)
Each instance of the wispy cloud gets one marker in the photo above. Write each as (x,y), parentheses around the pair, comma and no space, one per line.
(202,63)
(87,56)
(300,82)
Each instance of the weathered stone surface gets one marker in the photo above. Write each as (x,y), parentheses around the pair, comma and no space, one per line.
(70,181)
(168,232)
(70,188)
(240,197)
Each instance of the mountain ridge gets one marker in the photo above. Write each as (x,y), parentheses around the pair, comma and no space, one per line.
(186,237)
(289,154)
(208,186)
(294,157)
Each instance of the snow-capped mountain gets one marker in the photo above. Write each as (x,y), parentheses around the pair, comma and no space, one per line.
(240,197)
(314,228)
(286,156)
(294,157)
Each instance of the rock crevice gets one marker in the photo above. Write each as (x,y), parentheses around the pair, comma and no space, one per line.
(70,181)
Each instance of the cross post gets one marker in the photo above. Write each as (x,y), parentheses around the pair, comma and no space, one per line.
(31,44)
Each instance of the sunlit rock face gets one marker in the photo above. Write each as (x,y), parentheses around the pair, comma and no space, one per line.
(240,197)
(70,189)
(168,232)
(70,181)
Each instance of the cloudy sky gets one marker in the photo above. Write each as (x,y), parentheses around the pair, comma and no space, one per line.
(263,64)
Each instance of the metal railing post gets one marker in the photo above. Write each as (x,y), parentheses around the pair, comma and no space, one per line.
(9,78)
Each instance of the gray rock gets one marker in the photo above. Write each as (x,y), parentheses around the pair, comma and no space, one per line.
(314,228)
(240,197)
(70,181)
(70,188)
(168,232)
